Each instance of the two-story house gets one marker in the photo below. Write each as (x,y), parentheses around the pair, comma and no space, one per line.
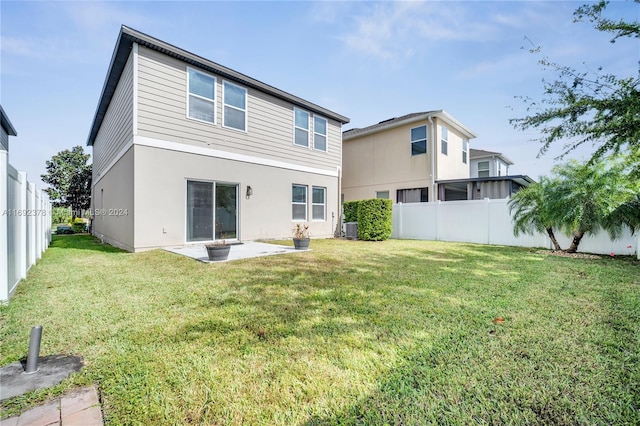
(188,151)
(488,163)
(403,158)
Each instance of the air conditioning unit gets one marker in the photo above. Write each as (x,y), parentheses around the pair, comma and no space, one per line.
(351,230)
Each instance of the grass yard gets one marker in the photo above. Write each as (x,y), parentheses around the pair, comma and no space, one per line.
(397,332)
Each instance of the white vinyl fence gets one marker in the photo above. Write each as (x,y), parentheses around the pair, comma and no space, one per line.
(489,222)
(25,226)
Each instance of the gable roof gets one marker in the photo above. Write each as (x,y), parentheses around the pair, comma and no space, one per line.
(407,119)
(6,123)
(124,44)
(475,154)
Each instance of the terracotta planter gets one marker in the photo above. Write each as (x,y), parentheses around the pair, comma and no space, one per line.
(218,253)
(301,243)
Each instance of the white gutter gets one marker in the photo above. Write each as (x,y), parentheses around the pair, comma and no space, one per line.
(433,159)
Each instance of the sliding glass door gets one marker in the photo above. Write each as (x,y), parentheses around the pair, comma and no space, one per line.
(212,211)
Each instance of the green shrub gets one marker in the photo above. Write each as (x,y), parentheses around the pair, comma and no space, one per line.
(350,211)
(60,215)
(79,225)
(374,219)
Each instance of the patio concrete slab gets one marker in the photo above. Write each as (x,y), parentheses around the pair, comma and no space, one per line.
(238,251)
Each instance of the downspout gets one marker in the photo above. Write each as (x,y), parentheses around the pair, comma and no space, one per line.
(433,196)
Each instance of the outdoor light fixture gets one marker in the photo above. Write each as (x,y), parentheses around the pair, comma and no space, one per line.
(249,191)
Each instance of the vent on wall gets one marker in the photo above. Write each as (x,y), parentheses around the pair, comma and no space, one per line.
(351,230)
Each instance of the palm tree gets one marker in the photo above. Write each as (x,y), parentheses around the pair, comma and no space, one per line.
(531,209)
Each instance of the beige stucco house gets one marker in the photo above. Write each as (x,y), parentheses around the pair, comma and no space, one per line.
(404,158)
(188,151)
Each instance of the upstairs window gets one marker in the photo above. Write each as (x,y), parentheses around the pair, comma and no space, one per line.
(483,169)
(465,150)
(202,96)
(319,133)
(235,107)
(419,140)
(444,142)
(301,127)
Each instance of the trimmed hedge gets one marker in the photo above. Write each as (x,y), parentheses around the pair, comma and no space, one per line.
(350,209)
(374,219)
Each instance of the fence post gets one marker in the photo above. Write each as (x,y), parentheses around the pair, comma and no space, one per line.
(438,207)
(400,214)
(31,223)
(4,228)
(22,254)
(488,219)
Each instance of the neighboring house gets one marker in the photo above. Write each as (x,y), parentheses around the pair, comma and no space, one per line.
(489,179)
(489,164)
(188,151)
(7,130)
(403,158)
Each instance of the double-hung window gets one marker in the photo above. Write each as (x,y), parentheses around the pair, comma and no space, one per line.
(201,101)
(299,202)
(483,169)
(419,140)
(444,142)
(465,150)
(318,203)
(301,127)
(235,106)
(319,133)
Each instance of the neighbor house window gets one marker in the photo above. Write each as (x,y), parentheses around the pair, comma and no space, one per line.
(299,202)
(319,133)
(318,203)
(202,96)
(301,127)
(419,140)
(235,107)
(415,195)
(444,142)
(483,169)
(382,194)
(465,150)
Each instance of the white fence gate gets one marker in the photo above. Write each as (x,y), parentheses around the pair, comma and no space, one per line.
(25,226)
(489,222)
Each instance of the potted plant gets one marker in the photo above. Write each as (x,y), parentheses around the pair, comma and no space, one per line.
(218,250)
(301,236)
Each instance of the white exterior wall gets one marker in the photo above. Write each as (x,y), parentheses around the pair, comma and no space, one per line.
(489,222)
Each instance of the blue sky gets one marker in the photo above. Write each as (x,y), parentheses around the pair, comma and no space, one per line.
(366,60)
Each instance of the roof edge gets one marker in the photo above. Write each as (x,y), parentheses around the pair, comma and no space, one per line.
(6,123)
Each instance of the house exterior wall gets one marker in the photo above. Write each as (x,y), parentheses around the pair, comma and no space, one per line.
(450,166)
(161,183)
(4,140)
(495,165)
(162,114)
(113,204)
(117,128)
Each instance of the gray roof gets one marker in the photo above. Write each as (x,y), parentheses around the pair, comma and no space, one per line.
(6,123)
(523,180)
(124,44)
(406,119)
(475,154)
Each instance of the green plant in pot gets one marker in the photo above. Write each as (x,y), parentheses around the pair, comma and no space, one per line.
(218,250)
(301,236)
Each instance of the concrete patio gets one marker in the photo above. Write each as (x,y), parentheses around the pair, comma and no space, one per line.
(245,250)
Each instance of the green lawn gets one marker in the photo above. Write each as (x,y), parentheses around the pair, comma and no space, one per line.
(396,332)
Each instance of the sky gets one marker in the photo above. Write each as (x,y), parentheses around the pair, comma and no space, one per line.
(369,61)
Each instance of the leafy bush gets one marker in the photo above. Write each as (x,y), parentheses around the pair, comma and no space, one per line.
(374,219)
(60,215)
(350,211)
(79,225)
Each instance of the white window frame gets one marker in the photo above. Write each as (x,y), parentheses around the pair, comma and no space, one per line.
(323,204)
(488,169)
(224,105)
(294,203)
(308,129)
(387,193)
(326,134)
(215,95)
(465,151)
(444,140)
(426,140)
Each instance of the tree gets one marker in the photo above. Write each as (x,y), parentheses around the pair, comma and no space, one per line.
(591,106)
(69,176)
(579,199)
(531,210)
